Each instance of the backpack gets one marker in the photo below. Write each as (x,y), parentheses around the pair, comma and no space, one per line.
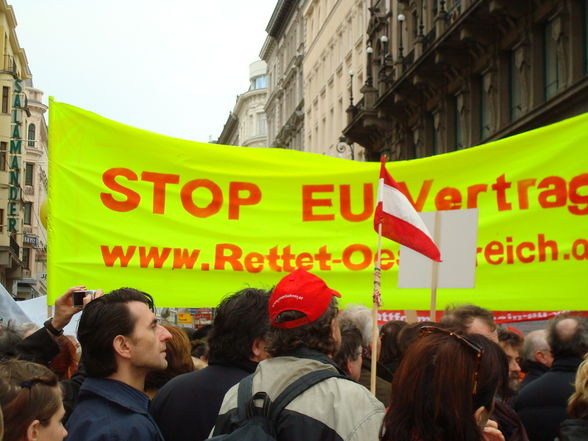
(258,423)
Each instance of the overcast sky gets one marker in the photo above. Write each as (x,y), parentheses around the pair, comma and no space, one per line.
(173,67)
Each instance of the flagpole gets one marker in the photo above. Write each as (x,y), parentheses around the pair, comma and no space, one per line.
(435,271)
(376,301)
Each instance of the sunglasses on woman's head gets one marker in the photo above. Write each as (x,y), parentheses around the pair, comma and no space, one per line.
(476,350)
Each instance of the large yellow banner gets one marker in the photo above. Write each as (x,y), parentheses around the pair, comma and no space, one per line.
(191,222)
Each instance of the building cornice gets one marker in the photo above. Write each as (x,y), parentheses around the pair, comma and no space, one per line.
(281,15)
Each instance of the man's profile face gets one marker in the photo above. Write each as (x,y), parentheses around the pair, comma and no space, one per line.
(147,342)
(514,368)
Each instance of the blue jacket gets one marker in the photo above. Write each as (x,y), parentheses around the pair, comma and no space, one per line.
(109,410)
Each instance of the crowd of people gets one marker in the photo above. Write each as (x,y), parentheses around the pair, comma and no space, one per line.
(288,363)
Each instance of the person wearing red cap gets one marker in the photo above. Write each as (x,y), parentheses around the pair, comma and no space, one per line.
(304,336)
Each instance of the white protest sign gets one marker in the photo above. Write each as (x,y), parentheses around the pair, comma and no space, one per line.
(457,242)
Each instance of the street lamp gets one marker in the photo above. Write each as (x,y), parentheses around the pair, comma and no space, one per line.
(369,80)
(351,88)
(401,19)
(343,145)
(384,40)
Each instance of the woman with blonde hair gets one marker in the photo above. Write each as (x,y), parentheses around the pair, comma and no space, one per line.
(31,402)
(576,427)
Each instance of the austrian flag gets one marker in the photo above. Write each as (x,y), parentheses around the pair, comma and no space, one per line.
(400,221)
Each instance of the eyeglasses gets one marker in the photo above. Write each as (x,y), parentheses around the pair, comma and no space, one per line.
(476,350)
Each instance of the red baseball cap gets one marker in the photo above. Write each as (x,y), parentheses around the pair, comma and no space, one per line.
(303,292)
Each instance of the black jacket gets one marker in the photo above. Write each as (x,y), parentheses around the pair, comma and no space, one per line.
(39,347)
(185,409)
(542,404)
(533,370)
(573,430)
(383,380)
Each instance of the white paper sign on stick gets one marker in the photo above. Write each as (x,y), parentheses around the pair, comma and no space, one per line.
(457,244)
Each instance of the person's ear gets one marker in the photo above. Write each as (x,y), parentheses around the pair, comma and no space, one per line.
(481,416)
(33,431)
(258,350)
(121,346)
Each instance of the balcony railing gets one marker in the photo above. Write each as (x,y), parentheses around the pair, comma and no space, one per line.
(14,246)
(8,64)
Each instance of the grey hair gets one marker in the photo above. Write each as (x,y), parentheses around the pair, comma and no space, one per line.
(27,329)
(361,317)
(534,341)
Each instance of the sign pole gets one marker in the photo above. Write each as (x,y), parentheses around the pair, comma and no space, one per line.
(376,305)
(435,275)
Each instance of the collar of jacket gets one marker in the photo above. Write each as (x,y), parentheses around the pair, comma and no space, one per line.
(116,392)
(246,365)
(566,364)
(312,354)
(381,370)
(535,366)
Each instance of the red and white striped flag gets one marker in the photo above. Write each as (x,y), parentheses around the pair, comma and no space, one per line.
(400,221)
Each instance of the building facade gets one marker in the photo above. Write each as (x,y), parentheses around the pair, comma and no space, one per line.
(35,184)
(333,72)
(246,125)
(14,114)
(283,51)
(446,75)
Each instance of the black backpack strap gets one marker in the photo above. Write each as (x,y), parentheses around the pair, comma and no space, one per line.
(244,394)
(297,387)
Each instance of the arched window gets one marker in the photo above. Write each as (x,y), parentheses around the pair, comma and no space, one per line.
(31,135)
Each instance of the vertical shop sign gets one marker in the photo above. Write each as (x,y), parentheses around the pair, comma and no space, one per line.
(14,159)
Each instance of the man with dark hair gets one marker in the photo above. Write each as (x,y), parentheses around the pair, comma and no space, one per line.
(536,356)
(187,406)
(471,319)
(304,336)
(121,343)
(511,343)
(542,404)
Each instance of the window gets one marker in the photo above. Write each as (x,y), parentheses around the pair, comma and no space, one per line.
(458,136)
(261,124)
(485,128)
(514,89)
(5,93)
(26,258)
(550,62)
(3,149)
(1,220)
(31,135)
(434,135)
(29,169)
(28,208)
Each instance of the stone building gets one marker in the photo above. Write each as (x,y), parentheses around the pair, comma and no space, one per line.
(333,66)
(14,114)
(446,75)
(283,51)
(34,239)
(246,125)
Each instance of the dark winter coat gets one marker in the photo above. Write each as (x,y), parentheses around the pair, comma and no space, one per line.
(185,409)
(542,404)
(111,410)
(573,430)
(533,370)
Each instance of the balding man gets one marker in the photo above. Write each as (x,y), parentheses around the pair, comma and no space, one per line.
(536,357)
(542,404)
